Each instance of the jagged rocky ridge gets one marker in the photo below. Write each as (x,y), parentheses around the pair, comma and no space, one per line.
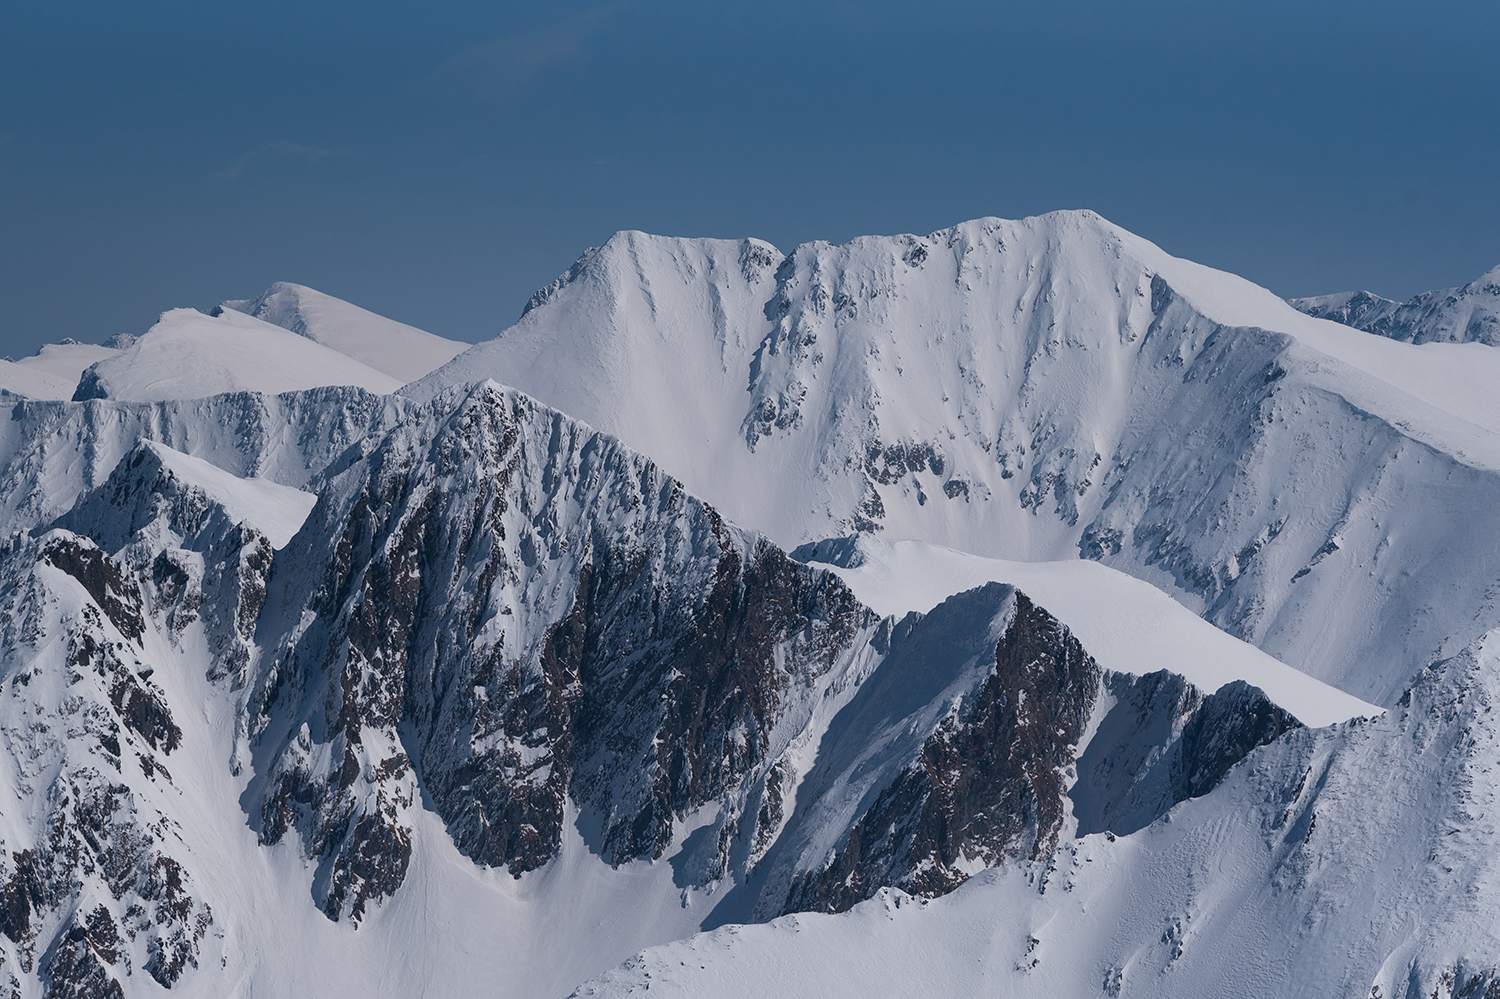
(508,618)
(1469,314)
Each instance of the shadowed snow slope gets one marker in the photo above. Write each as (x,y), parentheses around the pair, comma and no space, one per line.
(1451,315)
(1127,625)
(1042,389)
(189,355)
(401,351)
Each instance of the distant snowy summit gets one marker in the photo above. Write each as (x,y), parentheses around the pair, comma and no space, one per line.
(396,349)
(1470,314)
(287,338)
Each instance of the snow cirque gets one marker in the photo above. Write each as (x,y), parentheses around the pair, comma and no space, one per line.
(1040,390)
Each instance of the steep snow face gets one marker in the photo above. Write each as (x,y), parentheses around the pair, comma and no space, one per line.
(153,472)
(1045,389)
(1470,314)
(1127,625)
(1294,879)
(190,355)
(401,351)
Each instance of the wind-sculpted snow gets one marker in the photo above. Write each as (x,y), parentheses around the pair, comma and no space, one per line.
(1351,861)
(1045,389)
(1470,314)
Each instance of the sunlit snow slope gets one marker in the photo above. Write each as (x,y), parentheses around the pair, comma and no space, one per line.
(52,372)
(1127,625)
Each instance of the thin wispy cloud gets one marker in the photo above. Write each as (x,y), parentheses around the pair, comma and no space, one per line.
(500,66)
(279,149)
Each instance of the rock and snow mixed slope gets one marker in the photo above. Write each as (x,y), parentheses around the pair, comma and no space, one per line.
(1470,314)
(1356,860)
(401,351)
(1041,389)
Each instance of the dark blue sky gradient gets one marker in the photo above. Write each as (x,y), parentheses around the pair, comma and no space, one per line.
(437,165)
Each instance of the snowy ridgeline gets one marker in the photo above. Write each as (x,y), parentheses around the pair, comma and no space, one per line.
(371,693)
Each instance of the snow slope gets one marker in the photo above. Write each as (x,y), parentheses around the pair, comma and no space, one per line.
(401,351)
(1470,314)
(1126,624)
(189,355)
(1042,389)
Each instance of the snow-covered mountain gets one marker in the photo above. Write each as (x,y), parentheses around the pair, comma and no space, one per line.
(401,351)
(312,686)
(1470,314)
(1044,389)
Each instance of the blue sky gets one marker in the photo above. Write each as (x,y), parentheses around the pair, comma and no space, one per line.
(437,163)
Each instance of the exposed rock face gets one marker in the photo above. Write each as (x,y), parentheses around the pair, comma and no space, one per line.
(988,783)
(551,615)
(93,890)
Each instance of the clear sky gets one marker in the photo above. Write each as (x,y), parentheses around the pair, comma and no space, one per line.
(438,162)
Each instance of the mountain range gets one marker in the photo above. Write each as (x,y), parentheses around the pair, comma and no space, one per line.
(1013,608)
